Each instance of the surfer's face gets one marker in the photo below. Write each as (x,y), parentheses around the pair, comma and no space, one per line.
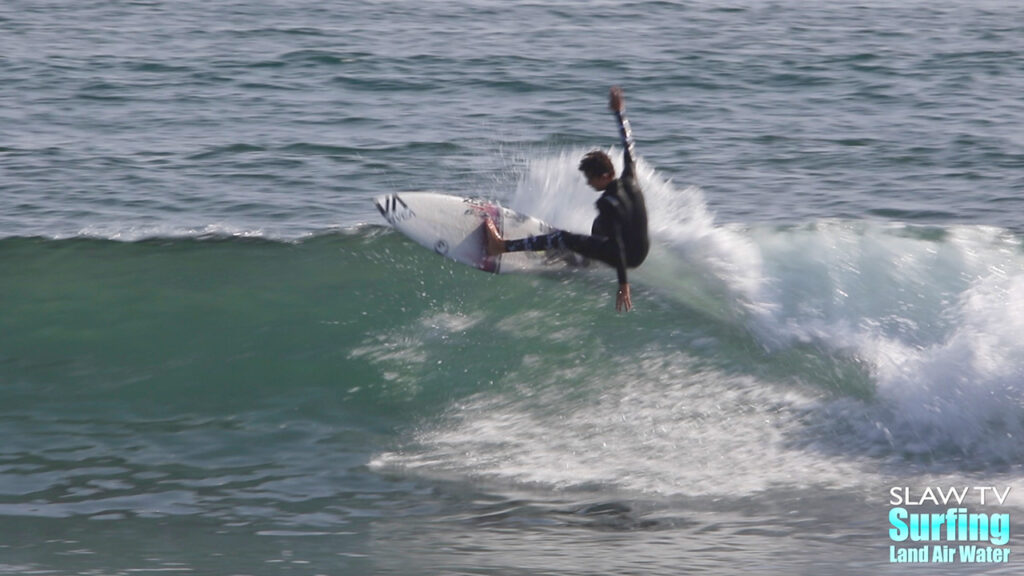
(600,182)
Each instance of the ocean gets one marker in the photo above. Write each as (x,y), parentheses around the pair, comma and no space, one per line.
(217,358)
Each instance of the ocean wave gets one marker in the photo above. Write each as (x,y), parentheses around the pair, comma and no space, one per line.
(833,347)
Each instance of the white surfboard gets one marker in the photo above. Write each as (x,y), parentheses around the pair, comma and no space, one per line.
(453,227)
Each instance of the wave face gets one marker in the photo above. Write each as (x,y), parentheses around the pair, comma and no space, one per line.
(211,376)
(880,340)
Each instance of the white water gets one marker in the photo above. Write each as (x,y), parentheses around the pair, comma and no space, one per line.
(928,321)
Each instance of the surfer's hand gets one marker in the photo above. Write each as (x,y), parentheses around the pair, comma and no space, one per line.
(622,299)
(615,100)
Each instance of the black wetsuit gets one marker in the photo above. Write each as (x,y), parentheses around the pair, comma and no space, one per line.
(618,236)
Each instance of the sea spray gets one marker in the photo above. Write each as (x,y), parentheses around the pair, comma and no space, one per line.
(713,269)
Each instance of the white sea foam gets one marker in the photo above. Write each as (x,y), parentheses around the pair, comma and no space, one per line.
(661,426)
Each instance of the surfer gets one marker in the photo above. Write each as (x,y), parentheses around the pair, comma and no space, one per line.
(618,236)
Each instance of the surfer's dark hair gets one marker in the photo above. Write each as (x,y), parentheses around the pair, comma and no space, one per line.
(596,163)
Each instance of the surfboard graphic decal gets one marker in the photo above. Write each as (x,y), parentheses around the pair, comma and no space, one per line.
(395,210)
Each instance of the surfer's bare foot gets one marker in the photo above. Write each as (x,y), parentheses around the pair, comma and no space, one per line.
(495,245)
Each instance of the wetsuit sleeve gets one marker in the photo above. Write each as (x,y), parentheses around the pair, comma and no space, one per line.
(620,266)
(604,205)
(628,151)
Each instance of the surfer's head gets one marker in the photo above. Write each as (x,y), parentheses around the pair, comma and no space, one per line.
(597,168)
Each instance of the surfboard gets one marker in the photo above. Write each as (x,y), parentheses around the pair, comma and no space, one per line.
(453,227)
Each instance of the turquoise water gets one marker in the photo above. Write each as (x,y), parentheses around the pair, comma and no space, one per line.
(216,358)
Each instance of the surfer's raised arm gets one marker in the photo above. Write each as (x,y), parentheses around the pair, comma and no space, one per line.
(617,103)
(618,236)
